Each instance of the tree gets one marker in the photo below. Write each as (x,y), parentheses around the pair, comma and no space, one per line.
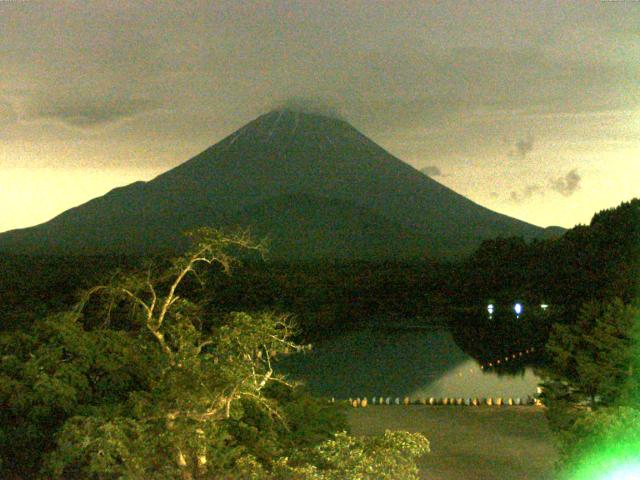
(595,358)
(592,374)
(54,371)
(388,457)
(196,377)
(152,388)
(600,442)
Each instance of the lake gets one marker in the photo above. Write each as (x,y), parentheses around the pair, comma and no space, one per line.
(417,363)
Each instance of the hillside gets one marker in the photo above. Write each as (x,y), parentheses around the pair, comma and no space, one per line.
(314,184)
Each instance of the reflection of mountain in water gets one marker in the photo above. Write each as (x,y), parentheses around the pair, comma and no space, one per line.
(377,362)
(467,380)
(487,338)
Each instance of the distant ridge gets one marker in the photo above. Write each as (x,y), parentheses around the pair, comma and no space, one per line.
(316,185)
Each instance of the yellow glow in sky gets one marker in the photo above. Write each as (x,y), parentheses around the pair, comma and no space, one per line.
(33,196)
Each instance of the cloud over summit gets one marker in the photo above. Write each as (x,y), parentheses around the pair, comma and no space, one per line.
(106,84)
(313,105)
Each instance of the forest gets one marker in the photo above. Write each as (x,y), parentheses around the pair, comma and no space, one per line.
(126,367)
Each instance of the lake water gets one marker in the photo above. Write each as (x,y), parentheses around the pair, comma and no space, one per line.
(394,362)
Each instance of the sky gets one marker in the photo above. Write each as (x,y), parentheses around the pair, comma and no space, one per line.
(530,108)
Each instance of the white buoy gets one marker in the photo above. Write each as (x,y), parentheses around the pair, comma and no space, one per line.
(388,400)
(397,401)
(432,401)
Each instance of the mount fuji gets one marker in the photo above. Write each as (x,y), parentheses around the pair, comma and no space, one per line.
(314,184)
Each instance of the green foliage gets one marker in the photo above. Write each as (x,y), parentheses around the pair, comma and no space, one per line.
(592,385)
(158,389)
(57,370)
(600,441)
(595,361)
(388,457)
(595,262)
(391,456)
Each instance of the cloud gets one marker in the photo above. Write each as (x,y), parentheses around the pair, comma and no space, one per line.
(316,105)
(522,148)
(527,192)
(567,184)
(84,112)
(7,112)
(218,65)
(11,104)
(431,171)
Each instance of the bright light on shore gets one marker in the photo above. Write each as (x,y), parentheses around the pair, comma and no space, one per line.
(517,308)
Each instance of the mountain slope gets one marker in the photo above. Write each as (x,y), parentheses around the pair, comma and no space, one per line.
(302,226)
(282,154)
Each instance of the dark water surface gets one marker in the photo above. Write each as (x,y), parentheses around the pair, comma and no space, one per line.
(401,362)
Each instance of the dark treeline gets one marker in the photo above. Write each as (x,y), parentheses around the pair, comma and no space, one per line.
(326,298)
(586,341)
(322,297)
(593,262)
(34,285)
(589,263)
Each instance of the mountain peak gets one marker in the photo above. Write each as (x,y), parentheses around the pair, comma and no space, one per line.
(343,187)
(293,113)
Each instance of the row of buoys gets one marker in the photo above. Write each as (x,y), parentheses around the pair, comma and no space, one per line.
(508,358)
(433,401)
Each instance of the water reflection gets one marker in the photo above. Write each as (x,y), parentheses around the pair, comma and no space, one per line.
(467,380)
(384,362)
